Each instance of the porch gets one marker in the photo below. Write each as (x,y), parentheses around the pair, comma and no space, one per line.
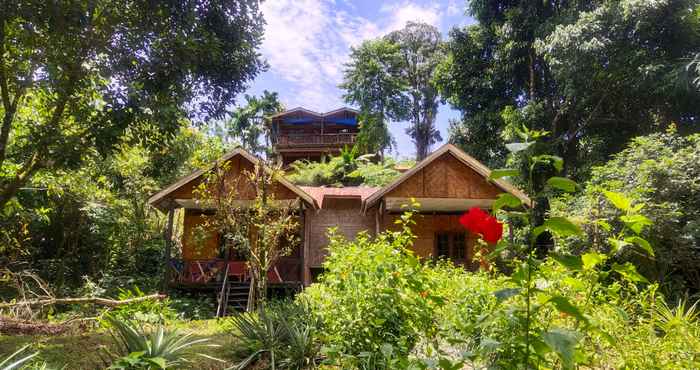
(204,272)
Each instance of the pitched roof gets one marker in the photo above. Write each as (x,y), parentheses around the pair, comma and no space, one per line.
(156,199)
(468,160)
(320,192)
(313,113)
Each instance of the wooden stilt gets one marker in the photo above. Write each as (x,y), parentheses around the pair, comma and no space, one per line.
(168,248)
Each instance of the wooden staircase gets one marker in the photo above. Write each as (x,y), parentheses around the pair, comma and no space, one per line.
(233,296)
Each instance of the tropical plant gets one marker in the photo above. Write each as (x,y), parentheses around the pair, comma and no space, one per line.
(282,335)
(346,169)
(659,171)
(15,361)
(153,347)
(250,122)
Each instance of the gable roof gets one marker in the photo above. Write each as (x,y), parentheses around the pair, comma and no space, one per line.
(313,113)
(319,193)
(463,157)
(157,199)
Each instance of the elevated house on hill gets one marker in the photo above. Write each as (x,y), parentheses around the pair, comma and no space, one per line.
(304,134)
(446,184)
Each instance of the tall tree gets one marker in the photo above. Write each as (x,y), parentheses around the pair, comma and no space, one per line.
(593,73)
(421,49)
(74,75)
(372,81)
(249,122)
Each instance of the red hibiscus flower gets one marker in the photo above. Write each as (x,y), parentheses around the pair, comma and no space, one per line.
(480,222)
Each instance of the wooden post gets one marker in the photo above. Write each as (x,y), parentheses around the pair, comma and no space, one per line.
(168,247)
(305,268)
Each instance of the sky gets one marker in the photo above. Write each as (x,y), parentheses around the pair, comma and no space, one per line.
(308,41)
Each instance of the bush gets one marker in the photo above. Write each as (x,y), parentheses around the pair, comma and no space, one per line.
(660,171)
(379,304)
(282,334)
(347,169)
(151,348)
(148,311)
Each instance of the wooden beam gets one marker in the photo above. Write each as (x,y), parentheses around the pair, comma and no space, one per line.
(168,247)
(394,204)
(305,268)
(194,204)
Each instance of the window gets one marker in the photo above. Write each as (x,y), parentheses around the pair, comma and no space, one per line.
(451,245)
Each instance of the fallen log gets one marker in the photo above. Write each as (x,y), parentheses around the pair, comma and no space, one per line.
(10,326)
(82,300)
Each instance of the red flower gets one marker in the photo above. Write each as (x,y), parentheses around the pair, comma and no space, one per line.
(480,222)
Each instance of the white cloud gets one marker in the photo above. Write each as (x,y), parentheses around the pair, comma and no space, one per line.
(403,12)
(307,42)
(453,9)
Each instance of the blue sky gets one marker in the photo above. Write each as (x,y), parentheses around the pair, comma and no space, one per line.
(307,42)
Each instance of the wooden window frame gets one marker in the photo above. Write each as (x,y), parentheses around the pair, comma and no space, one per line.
(453,238)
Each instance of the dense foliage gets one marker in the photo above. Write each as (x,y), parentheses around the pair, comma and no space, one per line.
(74,76)
(593,73)
(346,169)
(660,171)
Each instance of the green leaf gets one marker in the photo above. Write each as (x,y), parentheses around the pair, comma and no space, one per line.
(564,305)
(629,272)
(503,172)
(636,222)
(619,200)
(642,243)
(500,247)
(563,342)
(559,226)
(591,260)
(158,361)
(503,294)
(569,261)
(506,200)
(562,183)
(518,147)
(617,244)
(556,162)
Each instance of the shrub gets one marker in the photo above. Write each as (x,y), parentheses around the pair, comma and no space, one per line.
(347,169)
(151,347)
(147,311)
(282,334)
(660,171)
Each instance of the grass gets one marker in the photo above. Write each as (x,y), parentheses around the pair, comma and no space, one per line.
(86,350)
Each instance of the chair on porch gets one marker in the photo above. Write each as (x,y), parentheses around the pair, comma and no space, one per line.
(238,269)
(178,268)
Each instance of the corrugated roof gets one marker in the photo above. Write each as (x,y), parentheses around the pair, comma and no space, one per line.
(321,192)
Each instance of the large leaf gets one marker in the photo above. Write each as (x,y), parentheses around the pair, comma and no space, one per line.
(629,272)
(518,147)
(559,226)
(506,200)
(503,172)
(636,222)
(562,183)
(569,261)
(563,342)
(619,200)
(642,243)
(562,304)
(591,259)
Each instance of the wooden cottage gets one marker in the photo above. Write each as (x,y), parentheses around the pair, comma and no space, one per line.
(300,133)
(446,184)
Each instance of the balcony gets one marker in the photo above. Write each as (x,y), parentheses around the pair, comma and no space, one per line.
(316,140)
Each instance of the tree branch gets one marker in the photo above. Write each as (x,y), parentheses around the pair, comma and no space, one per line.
(82,300)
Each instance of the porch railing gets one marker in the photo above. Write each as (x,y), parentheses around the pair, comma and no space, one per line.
(207,271)
(316,139)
